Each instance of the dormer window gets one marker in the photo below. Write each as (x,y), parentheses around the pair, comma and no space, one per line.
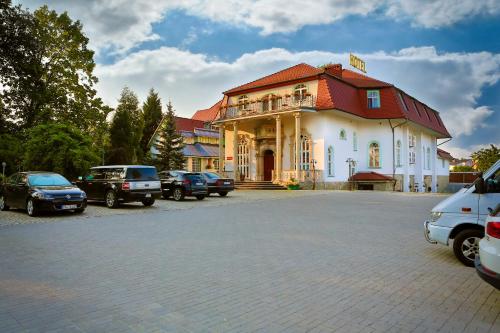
(402,100)
(300,92)
(243,102)
(373,99)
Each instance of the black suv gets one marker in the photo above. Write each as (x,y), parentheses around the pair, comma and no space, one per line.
(121,183)
(36,191)
(180,184)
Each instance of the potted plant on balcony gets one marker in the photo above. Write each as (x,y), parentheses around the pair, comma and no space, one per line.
(292,184)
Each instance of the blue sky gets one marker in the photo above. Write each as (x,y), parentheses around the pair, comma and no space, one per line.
(444,52)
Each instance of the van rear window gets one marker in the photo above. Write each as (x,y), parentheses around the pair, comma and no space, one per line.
(142,174)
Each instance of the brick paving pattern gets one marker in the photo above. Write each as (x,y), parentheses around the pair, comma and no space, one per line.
(300,262)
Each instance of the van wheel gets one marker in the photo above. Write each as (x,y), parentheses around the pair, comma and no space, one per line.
(148,202)
(178,194)
(111,199)
(223,194)
(3,203)
(200,197)
(466,246)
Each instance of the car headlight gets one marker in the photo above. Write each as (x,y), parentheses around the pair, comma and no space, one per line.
(41,195)
(435,216)
(83,195)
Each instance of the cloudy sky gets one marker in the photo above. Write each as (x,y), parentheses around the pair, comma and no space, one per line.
(444,52)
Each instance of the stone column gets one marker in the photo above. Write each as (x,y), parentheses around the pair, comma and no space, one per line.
(221,148)
(278,163)
(297,145)
(235,151)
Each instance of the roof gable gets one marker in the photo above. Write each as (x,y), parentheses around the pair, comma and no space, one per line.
(208,115)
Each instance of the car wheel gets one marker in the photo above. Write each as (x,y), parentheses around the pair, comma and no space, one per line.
(178,194)
(3,203)
(222,194)
(148,202)
(200,197)
(466,246)
(31,208)
(111,199)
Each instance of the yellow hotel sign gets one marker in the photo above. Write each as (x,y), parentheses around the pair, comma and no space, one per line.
(357,63)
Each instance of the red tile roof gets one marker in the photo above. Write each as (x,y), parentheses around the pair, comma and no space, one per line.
(296,72)
(370,176)
(444,154)
(186,124)
(209,114)
(362,81)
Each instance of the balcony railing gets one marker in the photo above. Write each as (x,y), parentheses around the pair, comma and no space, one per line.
(269,105)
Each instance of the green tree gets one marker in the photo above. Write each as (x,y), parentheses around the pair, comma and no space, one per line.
(171,144)
(126,130)
(11,151)
(463,168)
(486,157)
(60,148)
(152,115)
(48,69)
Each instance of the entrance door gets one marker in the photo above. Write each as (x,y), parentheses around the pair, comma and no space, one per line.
(268,165)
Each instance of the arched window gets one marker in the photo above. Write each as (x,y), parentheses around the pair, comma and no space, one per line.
(428,158)
(398,153)
(243,102)
(374,155)
(300,92)
(354,141)
(330,162)
(305,152)
(243,157)
(342,135)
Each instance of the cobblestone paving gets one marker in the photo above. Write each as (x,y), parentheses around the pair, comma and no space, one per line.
(321,262)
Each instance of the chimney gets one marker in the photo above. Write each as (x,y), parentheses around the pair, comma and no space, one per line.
(333,69)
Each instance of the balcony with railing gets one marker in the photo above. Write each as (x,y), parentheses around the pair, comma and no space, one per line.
(269,105)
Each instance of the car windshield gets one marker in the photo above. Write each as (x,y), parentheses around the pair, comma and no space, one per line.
(194,177)
(212,175)
(48,180)
(142,174)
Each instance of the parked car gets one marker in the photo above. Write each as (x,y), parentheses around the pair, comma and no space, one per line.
(488,261)
(179,184)
(37,191)
(218,184)
(115,184)
(461,216)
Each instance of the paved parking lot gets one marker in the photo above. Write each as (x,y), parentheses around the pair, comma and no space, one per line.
(256,262)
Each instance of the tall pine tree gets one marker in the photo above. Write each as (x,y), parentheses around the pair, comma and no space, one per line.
(152,115)
(125,131)
(171,144)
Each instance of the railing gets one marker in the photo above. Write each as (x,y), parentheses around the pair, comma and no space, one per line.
(269,105)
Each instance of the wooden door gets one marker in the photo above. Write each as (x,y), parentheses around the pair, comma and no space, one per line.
(268,165)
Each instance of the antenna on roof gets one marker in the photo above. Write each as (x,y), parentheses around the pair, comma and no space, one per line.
(357,63)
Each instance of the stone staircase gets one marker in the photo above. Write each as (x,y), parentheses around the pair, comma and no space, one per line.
(257,185)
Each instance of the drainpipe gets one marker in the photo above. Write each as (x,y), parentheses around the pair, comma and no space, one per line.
(394,152)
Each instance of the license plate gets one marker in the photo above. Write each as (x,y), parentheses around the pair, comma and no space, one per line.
(148,195)
(69,206)
(227,183)
(199,184)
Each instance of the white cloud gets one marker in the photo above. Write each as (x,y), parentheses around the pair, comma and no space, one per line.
(120,25)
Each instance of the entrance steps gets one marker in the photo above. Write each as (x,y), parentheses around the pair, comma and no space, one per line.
(257,185)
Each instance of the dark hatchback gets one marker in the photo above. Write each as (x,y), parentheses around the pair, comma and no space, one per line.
(180,184)
(218,184)
(115,184)
(37,191)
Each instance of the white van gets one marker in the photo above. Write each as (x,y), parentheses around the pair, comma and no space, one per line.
(461,216)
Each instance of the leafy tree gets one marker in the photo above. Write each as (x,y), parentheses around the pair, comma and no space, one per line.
(463,168)
(48,69)
(152,115)
(486,157)
(61,148)
(171,144)
(126,130)
(11,151)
